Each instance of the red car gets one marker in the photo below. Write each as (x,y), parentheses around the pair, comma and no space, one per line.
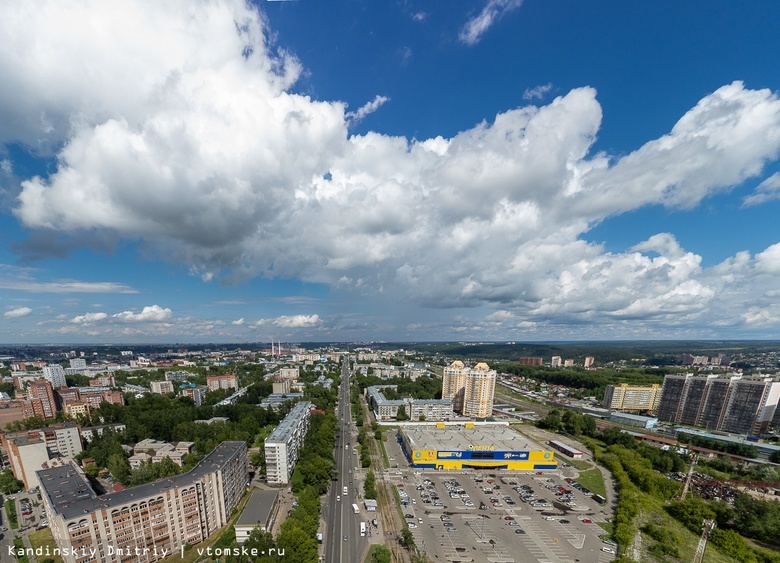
(508,518)
(587,521)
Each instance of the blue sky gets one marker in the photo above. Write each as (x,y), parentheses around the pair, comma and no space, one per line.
(311,171)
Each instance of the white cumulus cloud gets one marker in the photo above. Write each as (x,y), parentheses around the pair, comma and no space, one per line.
(153,313)
(768,190)
(89,318)
(194,141)
(17,313)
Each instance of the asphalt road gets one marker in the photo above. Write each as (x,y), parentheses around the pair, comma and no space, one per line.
(341,520)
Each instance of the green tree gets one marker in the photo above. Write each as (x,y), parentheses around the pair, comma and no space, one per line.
(380,554)
(8,483)
(402,414)
(119,468)
(298,546)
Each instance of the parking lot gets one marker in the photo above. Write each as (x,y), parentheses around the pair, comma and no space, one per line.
(475,517)
(29,510)
(484,516)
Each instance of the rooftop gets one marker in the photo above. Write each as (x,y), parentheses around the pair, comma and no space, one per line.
(71,495)
(455,438)
(290,422)
(258,509)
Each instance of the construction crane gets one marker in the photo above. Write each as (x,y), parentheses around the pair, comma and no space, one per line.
(687,485)
(707,526)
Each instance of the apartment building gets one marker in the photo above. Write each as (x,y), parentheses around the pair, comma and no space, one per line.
(284,443)
(470,389)
(148,522)
(197,394)
(730,403)
(480,389)
(626,397)
(229,381)
(287,373)
(29,451)
(55,374)
(589,361)
(161,387)
(530,361)
(40,400)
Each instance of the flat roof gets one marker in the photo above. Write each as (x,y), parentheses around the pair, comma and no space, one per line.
(290,422)
(637,417)
(258,509)
(71,495)
(454,438)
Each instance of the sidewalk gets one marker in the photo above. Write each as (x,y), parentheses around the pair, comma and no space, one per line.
(28,545)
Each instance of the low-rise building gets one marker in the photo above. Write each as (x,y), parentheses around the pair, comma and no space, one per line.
(259,512)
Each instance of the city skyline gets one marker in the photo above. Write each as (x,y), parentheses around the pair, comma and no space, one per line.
(411,171)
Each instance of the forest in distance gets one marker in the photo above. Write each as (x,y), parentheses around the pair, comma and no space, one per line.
(625,348)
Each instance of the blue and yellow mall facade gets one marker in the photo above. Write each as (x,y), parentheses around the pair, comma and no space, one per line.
(446,449)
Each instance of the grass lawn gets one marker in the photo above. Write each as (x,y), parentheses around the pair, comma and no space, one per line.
(593,480)
(44,538)
(10,511)
(686,541)
(19,544)
(378,549)
(576,463)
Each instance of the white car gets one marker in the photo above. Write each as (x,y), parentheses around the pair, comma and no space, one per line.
(608,550)
(338,498)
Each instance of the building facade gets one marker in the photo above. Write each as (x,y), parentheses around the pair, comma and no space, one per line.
(626,397)
(456,447)
(29,451)
(730,403)
(161,387)
(55,374)
(43,391)
(387,409)
(146,523)
(229,381)
(283,444)
(471,390)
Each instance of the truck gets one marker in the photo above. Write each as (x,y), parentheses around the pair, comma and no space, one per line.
(355,509)
(344,491)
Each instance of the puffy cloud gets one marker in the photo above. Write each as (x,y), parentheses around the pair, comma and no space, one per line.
(153,313)
(768,190)
(768,261)
(89,318)
(238,322)
(17,313)
(473,30)
(193,141)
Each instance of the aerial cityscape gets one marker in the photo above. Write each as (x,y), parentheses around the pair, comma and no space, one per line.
(484,281)
(380,452)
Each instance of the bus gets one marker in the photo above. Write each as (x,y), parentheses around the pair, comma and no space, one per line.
(355,509)
(362,528)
